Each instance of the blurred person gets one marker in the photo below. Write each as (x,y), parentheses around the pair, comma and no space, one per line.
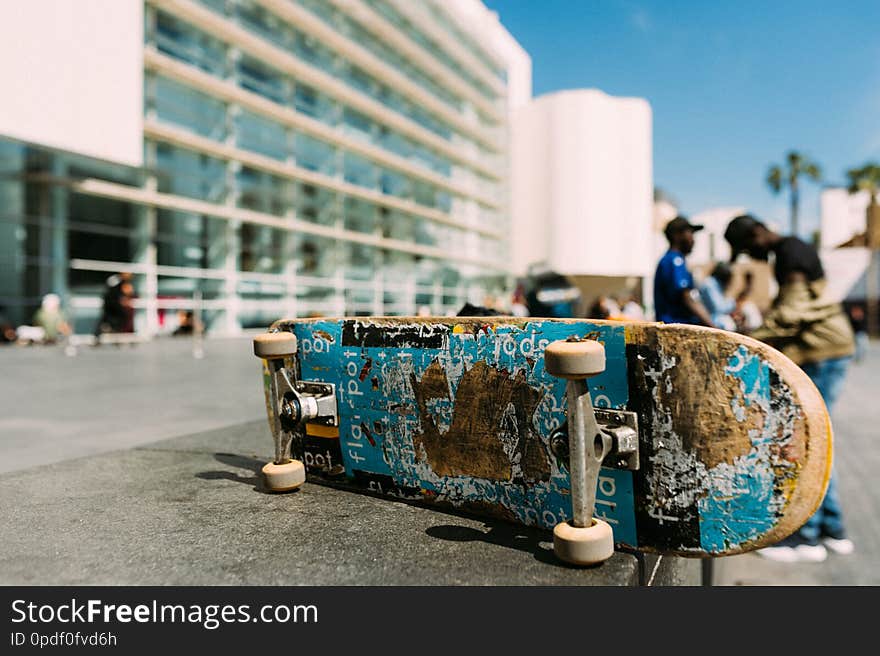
(604,307)
(675,298)
(471,310)
(613,307)
(598,309)
(127,296)
(859,322)
(111,318)
(25,335)
(816,334)
(747,315)
(551,295)
(518,307)
(185,323)
(7,328)
(713,296)
(630,308)
(51,318)
(423,311)
(117,313)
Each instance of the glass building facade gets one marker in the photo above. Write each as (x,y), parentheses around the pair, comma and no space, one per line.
(301,158)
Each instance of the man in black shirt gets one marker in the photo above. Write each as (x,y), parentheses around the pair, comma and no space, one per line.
(815,333)
(795,256)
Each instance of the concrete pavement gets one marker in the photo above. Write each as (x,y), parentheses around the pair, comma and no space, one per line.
(112,397)
(192,511)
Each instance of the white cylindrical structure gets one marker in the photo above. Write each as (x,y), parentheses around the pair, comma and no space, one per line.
(583,184)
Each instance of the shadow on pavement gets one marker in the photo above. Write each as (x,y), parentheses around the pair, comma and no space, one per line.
(504,535)
(240,462)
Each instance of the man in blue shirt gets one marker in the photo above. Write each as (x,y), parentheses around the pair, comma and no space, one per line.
(675,298)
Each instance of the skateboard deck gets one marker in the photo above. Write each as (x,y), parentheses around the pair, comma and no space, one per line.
(734,440)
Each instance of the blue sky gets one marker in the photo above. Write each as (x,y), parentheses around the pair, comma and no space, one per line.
(733,85)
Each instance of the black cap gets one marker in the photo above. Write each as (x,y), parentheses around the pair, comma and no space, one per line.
(739,234)
(679,224)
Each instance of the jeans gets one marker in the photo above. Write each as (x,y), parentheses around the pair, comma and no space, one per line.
(861,345)
(828,376)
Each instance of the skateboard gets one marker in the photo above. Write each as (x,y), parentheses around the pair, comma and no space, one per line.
(653,437)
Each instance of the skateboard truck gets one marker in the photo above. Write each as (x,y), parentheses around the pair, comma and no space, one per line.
(584,540)
(623,429)
(293,403)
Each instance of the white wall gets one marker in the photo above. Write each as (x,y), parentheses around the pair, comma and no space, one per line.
(842,215)
(845,271)
(531,175)
(582,184)
(72,75)
(664,212)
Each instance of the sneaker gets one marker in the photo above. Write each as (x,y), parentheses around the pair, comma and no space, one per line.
(802,553)
(840,546)
(795,549)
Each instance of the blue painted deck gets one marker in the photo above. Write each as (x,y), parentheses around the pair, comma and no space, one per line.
(510,349)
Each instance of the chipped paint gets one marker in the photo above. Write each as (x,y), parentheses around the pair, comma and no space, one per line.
(400,357)
(743,500)
(732,496)
(325,335)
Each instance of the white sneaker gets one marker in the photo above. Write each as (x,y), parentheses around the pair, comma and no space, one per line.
(842,547)
(802,553)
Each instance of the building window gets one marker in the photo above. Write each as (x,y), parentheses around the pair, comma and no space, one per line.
(264,192)
(360,171)
(188,108)
(262,249)
(259,78)
(314,154)
(261,135)
(184,42)
(186,173)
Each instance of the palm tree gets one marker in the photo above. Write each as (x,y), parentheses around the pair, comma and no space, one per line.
(796,165)
(867,178)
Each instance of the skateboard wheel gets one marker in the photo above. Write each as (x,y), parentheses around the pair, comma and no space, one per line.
(274,345)
(583,546)
(574,360)
(284,477)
